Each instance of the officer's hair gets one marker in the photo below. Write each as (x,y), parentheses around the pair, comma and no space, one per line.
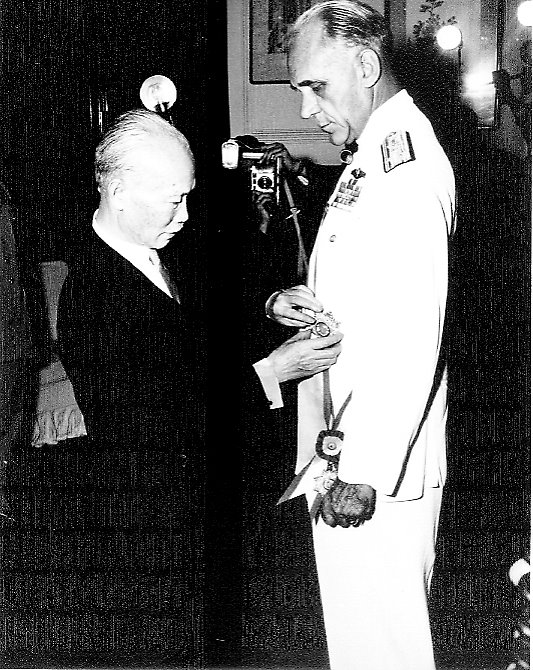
(117,151)
(355,22)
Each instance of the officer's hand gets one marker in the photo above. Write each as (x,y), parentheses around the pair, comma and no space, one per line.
(278,150)
(302,356)
(286,306)
(348,504)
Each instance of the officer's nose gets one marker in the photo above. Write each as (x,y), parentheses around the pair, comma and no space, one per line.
(309,105)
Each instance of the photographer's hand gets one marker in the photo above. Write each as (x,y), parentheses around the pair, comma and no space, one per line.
(286,306)
(300,356)
(265,205)
(279,150)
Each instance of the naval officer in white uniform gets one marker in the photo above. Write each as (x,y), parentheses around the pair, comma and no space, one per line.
(378,418)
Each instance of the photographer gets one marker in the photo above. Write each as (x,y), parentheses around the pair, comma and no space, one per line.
(273,251)
(293,221)
(296,169)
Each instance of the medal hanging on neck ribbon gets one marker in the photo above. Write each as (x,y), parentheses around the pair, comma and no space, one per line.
(328,446)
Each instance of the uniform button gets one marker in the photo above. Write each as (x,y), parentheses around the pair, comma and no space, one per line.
(333,238)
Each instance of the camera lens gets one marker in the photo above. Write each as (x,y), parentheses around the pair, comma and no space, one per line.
(265,182)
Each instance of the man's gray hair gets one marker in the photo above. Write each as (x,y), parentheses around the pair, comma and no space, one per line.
(117,151)
(355,22)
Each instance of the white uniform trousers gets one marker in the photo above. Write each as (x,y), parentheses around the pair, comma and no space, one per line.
(374,581)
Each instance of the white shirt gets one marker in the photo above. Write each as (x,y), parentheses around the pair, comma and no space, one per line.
(146,260)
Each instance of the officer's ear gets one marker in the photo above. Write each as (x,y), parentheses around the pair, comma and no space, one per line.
(115,193)
(371,67)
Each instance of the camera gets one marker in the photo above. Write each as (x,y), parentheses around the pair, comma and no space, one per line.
(263,178)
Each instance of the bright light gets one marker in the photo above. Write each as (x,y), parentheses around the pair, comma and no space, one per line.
(525,13)
(449,37)
(478,80)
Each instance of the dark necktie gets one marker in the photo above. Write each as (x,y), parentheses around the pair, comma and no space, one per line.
(170,283)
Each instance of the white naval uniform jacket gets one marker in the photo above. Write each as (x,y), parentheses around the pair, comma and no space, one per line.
(380,265)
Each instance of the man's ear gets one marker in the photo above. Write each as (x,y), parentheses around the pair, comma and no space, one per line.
(115,193)
(371,67)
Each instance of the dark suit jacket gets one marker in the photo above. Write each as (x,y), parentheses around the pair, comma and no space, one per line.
(18,352)
(15,336)
(132,353)
(133,356)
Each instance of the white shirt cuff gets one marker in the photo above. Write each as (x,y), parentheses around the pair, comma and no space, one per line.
(269,382)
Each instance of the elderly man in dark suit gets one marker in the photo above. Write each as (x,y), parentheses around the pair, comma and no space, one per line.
(134,350)
(129,346)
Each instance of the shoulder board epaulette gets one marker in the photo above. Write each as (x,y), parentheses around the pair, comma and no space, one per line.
(397,149)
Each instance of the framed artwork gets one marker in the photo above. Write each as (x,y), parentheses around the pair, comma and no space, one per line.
(269,21)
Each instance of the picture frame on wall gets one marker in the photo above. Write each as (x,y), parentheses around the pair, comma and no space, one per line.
(269,22)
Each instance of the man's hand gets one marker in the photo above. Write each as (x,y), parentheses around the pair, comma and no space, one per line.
(301,356)
(265,206)
(348,504)
(278,150)
(286,306)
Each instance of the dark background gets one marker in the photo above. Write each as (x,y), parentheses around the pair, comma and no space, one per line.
(59,61)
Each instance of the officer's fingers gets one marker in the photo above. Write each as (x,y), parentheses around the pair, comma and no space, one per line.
(362,509)
(335,494)
(348,502)
(353,510)
(344,507)
(369,511)
(343,521)
(327,513)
